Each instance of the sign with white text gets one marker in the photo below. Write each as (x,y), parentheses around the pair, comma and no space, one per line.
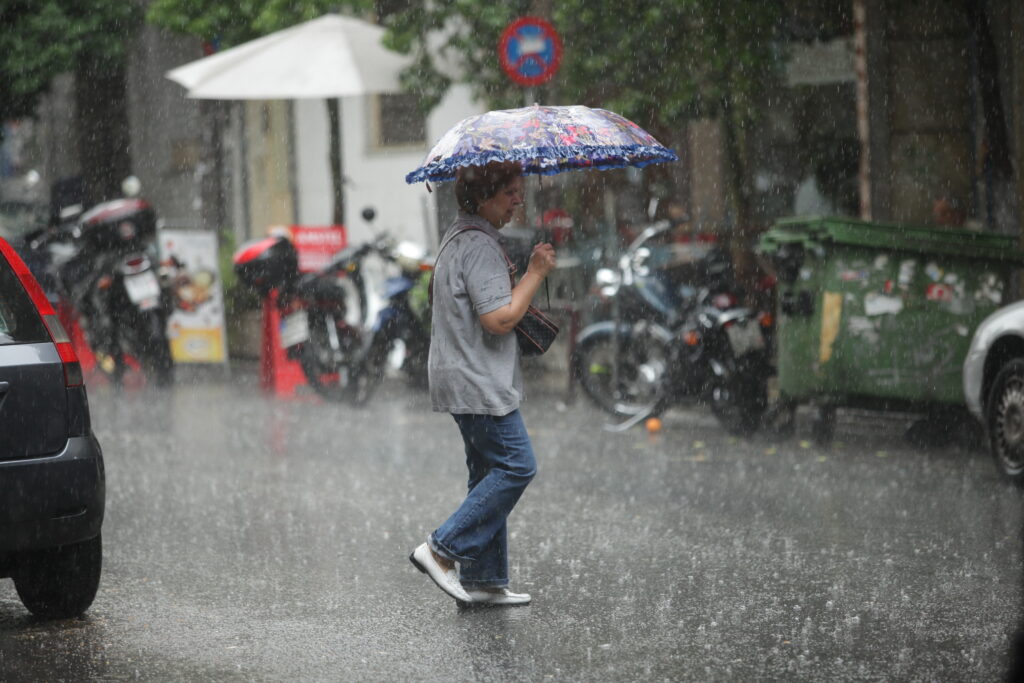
(317,244)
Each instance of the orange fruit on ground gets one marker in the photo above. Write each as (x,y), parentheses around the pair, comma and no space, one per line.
(653,424)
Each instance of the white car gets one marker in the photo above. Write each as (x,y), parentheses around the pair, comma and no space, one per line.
(994,386)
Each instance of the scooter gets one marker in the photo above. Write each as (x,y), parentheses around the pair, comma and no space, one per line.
(674,332)
(103,262)
(343,322)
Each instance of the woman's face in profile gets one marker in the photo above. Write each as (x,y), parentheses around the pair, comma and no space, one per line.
(499,209)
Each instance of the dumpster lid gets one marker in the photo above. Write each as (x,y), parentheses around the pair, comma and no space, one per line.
(968,244)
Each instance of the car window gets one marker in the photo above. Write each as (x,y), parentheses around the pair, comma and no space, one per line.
(19,321)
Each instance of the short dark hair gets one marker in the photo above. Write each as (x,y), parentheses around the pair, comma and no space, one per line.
(476,184)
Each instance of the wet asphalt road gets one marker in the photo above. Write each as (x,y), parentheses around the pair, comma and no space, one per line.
(254,539)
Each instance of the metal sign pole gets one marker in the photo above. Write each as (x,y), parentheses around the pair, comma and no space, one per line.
(531,184)
(530,51)
(611,250)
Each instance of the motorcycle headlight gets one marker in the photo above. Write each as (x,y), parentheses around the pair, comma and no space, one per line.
(409,255)
(607,281)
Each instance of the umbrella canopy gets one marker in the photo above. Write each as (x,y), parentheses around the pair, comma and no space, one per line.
(545,140)
(333,56)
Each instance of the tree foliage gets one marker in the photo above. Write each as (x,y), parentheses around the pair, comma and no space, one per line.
(659,62)
(228,23)
(44,38)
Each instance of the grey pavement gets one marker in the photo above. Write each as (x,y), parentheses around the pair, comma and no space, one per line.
(250,538)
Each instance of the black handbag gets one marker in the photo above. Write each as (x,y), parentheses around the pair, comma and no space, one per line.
(535,332)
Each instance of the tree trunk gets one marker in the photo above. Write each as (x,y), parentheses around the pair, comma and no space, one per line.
(101,118)
(738,192)
(211,185)
(337,179)
(998,161)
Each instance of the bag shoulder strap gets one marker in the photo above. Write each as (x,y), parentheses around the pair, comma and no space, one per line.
(449,240)
(511,266)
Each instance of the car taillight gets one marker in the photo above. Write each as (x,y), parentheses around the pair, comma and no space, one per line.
(72,368)
(68,357)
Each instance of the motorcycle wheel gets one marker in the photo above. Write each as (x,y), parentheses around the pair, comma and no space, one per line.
(368,377)
(154,349)
(643,372)
(336,375)
(739,395)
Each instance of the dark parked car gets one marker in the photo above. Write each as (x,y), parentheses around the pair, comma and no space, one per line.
(52,486)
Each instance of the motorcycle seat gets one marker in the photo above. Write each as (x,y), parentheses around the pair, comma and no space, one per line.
(321,289)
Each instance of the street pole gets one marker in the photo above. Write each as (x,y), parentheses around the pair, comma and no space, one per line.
(337,179)
(873,128)
(611,231)
(531,185)
(863,122)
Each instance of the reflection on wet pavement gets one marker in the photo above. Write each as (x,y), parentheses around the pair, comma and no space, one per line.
(255,539)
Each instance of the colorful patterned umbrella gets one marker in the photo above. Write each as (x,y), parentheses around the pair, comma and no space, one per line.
(545,140)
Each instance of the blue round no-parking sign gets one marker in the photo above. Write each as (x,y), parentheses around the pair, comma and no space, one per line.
(530,51)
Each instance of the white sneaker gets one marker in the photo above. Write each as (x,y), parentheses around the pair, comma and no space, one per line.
(446,580)
(502,596)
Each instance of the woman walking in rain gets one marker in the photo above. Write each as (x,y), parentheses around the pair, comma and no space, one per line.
(474,372)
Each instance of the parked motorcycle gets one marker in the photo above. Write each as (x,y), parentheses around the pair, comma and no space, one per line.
(343,322)
(674,331)
(103,262)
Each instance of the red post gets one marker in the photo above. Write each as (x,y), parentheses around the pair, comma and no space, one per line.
(279,374)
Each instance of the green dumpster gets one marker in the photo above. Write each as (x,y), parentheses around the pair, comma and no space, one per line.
(878,315)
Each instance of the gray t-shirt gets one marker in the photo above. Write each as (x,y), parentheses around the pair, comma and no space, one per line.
(471,370)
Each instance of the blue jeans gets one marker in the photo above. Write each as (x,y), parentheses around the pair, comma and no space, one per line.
(501,464)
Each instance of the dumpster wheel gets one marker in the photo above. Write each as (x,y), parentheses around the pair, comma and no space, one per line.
(823,428)
(780,419)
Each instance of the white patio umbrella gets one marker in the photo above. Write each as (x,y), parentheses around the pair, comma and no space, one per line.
(329,57)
